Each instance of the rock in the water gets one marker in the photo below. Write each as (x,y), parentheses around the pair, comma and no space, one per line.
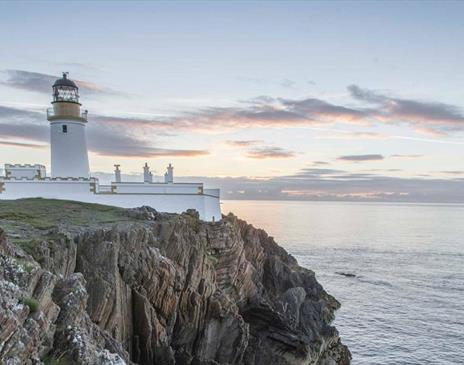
(347,274)
(132,286)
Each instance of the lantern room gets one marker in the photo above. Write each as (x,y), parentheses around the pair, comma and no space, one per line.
(66,101)
(65,90)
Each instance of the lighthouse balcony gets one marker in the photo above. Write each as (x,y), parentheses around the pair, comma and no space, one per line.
(69,113)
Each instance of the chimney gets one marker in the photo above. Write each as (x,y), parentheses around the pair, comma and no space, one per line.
(169,175)
(147,175)
(117,174)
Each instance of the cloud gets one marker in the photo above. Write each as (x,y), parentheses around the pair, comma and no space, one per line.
(148,152)
(259,112)
(313,172)
(365,94)
(287,83)
(269,152)
(105,142)
(434,118)
(42,83)
(18,114)
(244,143)
(348,135)
(265,111)
(407,156)
(426,116)
(29,131)
(453,172)
(102,140)
(318,163)
(19,144)
(339,185)
(258,150)
(319,110)
(358,158)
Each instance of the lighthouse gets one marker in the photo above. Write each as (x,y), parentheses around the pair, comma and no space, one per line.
(68,142)
(71,178)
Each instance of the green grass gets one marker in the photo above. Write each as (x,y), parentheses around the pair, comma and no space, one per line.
(32,304)
(26,265)
(28,245)
(28,222)
(46,213)
(50,360)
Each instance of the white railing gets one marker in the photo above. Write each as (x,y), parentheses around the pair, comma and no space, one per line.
(51,114)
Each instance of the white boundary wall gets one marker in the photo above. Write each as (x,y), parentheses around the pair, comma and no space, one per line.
(176,199)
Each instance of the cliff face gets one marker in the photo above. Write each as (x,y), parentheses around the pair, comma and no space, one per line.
(85,284)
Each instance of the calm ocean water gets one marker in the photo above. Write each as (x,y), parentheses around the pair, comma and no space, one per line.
(406,303)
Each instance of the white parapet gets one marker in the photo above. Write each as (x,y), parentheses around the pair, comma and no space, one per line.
(157,188)
(18,171)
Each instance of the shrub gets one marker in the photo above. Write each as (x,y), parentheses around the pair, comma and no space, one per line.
(32,304)
(50,360)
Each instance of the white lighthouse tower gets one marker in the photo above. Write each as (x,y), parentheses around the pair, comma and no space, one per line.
(68,141)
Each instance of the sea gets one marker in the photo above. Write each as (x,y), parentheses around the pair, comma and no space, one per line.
(397,270)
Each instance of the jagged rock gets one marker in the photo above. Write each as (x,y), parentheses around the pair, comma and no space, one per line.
(165,289)
(77,338)
(27,312)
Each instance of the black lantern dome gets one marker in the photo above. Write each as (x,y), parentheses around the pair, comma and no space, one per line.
(65,90)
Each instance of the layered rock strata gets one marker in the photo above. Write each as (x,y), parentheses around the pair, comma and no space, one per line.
(142,287)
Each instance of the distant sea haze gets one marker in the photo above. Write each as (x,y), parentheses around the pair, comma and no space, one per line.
(345,187)
(397,269)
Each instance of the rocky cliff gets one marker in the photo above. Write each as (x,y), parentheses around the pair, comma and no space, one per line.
(89,284)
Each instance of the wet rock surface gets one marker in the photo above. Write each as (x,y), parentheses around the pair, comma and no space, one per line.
(140,287)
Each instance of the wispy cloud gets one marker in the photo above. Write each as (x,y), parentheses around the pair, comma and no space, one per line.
(453,172)
(257,149)
(359,158)
(244,143)
(413,156)
(314,172)
(42,83)
(332,184)
(20,144)
(264,111)
(102,140)
(431,116)
(287,83)
(425,117)
(268,152)
(349,135)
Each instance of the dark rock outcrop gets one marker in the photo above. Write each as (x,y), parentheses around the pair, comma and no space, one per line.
(153,288)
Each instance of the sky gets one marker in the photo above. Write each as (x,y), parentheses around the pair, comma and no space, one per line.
(266,100)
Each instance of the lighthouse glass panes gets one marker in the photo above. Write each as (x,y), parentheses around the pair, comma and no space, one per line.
(65,93)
